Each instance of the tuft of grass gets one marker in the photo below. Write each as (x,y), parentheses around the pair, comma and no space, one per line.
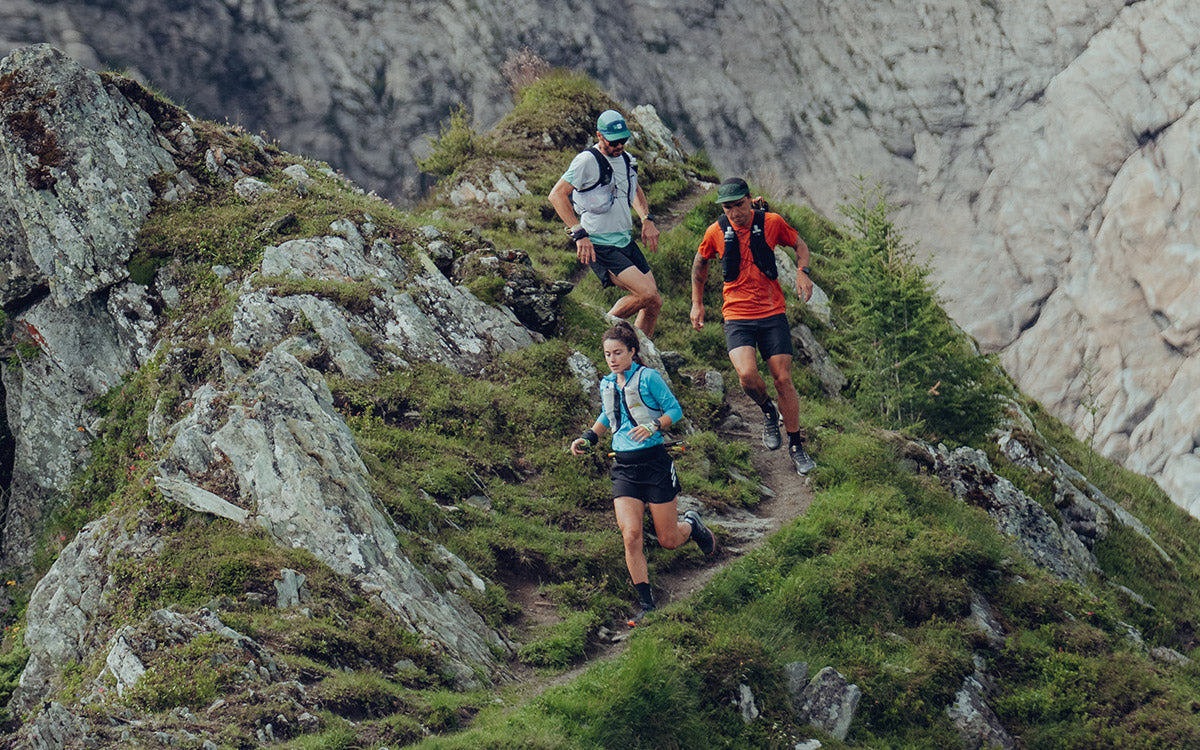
(456,144)
(561,644)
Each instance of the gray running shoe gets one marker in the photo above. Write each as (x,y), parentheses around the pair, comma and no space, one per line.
(770,436)
(637,619)
(700,533)
(802,460)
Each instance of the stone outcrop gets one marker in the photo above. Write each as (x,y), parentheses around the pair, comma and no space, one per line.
(258,440)
(70,207)
(976,722)
(63,624)
(828,701)
(1041,152)
(296,465)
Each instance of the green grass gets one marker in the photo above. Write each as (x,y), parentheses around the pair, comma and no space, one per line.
(875,579)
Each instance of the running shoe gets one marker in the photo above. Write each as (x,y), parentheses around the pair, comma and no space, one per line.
(802,461)
(700,533)
(637,619)
(770,435)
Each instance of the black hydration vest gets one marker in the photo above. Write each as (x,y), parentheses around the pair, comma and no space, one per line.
(764,256)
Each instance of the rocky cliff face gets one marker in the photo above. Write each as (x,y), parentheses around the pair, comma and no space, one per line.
(1042,152)
(262,447)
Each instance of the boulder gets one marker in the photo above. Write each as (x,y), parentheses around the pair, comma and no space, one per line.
(297,466)
(70,203)
(976,722)
(828,702)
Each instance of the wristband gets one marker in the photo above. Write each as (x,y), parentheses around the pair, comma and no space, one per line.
(652,427)
(805,270)
(590,437)
(578,234)
(649,217)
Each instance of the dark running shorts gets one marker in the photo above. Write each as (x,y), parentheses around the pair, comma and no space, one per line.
(617,259)
(770,335)
(647,474)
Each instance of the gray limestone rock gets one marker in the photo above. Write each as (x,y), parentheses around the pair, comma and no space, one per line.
(122,663)
(71,202)
(297,464)
(828,702)
(968,474)
(976,722)
(585,372)
(55,728)
(62,621)
(745,703)
(811,354)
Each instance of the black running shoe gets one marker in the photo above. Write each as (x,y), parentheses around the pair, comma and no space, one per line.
(637,619)
(770,435)
(802,461)
(700,533)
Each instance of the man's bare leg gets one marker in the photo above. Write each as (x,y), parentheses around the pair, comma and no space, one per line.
(643,299)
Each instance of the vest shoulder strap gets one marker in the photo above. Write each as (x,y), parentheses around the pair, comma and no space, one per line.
(606,172)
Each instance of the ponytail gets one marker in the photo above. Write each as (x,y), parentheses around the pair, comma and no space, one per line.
(624,333)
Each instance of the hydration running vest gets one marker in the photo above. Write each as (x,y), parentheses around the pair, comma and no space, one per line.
(631,396)
(764,256)
(583,204)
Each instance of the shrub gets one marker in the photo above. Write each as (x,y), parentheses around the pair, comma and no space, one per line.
(454,147)
(524,68)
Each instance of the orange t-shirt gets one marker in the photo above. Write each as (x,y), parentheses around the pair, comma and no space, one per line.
(751,296)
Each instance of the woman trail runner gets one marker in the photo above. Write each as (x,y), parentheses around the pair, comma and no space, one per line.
(637,406)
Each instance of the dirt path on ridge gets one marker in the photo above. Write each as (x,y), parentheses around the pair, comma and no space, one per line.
(738,531)
(786,497)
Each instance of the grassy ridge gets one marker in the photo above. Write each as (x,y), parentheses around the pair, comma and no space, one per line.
(876,580)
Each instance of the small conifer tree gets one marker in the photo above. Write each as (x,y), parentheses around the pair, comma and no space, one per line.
(910,366)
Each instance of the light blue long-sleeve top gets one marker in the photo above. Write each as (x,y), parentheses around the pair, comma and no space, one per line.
(656,394)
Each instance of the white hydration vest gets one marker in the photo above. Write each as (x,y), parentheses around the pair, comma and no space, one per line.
(632,397)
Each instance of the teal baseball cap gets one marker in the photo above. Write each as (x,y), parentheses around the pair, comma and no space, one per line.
(611,125)
(735,188)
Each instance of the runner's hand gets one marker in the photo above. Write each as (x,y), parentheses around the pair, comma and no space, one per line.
(804,286)
(650,236)
(579,446)
(585,251)
(697,315)
(640,433)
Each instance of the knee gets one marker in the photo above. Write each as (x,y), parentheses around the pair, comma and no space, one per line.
(632,538)
(650,300)
(675,541)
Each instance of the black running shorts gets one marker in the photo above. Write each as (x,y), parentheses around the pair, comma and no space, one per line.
(614,260)
(770,335)
(647,474)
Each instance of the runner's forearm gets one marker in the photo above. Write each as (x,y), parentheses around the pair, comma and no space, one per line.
(699,278)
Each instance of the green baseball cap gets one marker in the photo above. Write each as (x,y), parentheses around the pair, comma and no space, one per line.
(735,188)
(611,125)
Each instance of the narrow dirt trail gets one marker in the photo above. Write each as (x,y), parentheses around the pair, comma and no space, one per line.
(787,496)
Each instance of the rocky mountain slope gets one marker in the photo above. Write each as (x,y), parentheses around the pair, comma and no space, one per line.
(1041,151)
(272,476)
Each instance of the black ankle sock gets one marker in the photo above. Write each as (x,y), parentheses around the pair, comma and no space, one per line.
(645,595)
(794,438)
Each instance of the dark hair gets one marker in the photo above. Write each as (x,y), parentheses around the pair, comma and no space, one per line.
(624,333)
